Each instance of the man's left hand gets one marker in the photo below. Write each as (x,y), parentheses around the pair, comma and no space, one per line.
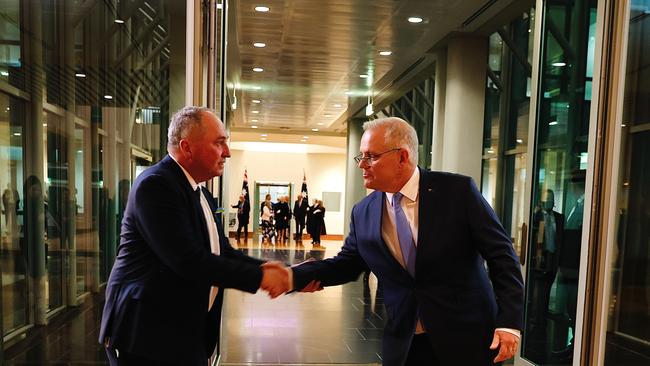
(509,344)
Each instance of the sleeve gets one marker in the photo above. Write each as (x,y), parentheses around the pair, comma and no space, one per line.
(163,219)
(345,267)
(496,248)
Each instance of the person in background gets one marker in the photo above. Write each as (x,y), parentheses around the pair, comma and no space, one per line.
(299,212)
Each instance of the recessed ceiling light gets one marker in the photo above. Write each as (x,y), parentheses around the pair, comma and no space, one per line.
(262,9)
(415,20)
(328,115)
(348,93)
(80,75)
(315,129)
(264,135)
(256,112)
(4,73)
(259,44)
(552,123)
(520,141)
(255,87)
(385,53)
(258,69)
(253,120)
(263,138)
(305,137)
(119,21)
(108,96)
(253,126)
(558,64)
(303,140)
(256,101)
(320,123)
(16,133)
(337,105)
(363,76)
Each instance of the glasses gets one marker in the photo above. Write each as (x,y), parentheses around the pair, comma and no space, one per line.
(372,157)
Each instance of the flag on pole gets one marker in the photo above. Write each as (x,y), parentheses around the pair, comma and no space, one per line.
(244,186)
(303,189)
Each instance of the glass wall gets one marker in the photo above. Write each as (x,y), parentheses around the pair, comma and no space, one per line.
(628,325)
(505,128)
(85,91)
(559,174)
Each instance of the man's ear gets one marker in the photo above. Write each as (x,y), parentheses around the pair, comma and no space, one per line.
(403,156)
(184,147)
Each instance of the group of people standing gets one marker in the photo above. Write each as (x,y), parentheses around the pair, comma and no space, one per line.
(276,220)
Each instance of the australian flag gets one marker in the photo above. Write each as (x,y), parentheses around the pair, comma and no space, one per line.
(244,186)
(303,189)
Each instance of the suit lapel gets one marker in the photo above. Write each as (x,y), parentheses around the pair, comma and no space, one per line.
(426,209)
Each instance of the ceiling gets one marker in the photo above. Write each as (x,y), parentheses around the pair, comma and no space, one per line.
(316,51)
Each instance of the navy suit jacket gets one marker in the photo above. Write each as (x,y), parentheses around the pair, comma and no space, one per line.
(158,291)
(459,302)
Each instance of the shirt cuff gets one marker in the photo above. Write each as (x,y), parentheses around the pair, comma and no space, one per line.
(290,279)
(511,331)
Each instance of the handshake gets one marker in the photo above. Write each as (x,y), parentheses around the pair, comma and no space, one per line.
(275,280)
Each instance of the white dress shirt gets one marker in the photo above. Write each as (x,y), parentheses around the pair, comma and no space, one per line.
(210,224)
(410,204)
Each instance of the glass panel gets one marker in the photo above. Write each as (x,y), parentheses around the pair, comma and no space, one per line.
(628,326)
(11,68)
(489,181)
(83,223)
(492,118)
(56,186)
(515,199)
(13,248)
(558,182)
(519,103)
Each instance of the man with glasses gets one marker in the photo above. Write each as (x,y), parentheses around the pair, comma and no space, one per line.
(426,235)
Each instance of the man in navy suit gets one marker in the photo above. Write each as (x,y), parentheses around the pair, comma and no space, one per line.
(426,236)
(165,291)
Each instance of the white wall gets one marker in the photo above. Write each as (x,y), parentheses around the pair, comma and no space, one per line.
(325,172)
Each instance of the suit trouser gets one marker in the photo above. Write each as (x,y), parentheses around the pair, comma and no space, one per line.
(300,226)
(119,358)
(240,227)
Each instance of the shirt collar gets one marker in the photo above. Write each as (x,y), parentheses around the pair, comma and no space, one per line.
(187,175)
(410,189)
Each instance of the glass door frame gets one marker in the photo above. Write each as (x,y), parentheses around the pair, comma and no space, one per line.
(586,251)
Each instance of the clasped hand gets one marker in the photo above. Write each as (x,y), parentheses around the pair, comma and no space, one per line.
(275,278)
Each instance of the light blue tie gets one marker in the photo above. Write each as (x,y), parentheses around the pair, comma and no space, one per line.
(404,234)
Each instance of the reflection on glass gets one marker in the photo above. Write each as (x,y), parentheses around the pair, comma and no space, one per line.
(83,231)
(11,69)
(554,240)
(489,181)
(628,326)
(515,199)
(55,207)
(13,255)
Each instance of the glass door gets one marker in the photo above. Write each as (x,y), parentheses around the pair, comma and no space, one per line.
(558,177)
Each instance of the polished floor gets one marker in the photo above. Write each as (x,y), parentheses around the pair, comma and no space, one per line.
(341,325)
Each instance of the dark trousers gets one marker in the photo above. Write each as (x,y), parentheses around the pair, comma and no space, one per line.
(300,226)
(240,227)
(421,352)
(119,358)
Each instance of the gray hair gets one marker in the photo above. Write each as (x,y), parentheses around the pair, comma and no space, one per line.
(183,122)
(398,132)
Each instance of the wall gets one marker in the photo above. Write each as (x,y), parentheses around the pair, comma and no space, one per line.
(325,172)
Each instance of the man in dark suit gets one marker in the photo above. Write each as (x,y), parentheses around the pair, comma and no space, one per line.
(299,212)
(426,236)
(165,291)
(243,215)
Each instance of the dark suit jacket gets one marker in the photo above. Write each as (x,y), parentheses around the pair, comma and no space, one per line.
(244,216)
(158,291)
(458,303)
(300,210)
